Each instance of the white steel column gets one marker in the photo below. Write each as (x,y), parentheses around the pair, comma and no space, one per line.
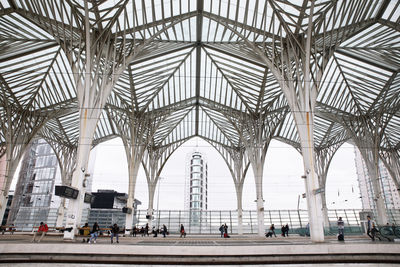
(13,156)
(60,214)
(150,209)
(239,195)
(87,129)
(258,168)
(315,215)
(92,90)
(238,164)
(133,167)
(371,160)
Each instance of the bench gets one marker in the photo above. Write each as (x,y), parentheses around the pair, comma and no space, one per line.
(8,228)
(390,233)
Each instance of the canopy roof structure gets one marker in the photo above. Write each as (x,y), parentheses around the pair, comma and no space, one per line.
(195,65)
(231,72)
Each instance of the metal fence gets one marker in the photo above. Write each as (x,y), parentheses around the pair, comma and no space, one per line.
(208,222)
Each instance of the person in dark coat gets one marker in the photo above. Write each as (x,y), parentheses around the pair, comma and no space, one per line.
(114,232)
(221,229)
(182,231)
(164,230)
(287,229)
(272,229)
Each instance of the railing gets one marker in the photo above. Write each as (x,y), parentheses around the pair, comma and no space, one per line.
(208,222)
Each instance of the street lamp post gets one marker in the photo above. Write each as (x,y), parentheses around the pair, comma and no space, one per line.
(158,200)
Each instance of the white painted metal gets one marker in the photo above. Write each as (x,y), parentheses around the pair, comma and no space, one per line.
(204,69)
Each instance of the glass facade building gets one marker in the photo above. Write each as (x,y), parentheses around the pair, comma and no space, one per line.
(389,190)
(34,200)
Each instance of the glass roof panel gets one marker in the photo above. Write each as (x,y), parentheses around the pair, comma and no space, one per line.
(392,11)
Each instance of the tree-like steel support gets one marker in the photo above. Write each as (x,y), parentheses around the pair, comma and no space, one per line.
(66,157)
(323,158)
(370,155)
(94,82)
(154,160)
(238,164)
(391,159)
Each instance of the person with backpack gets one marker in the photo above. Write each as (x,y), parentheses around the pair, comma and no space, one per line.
(221,229)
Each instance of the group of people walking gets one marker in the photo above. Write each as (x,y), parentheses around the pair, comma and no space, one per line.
(271,230)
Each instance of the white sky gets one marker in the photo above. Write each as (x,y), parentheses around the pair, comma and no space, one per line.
(282,183)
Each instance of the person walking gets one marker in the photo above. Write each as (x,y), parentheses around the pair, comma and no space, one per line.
(114,232)
(369,228)
(94,233)
(182,231)
(164,230)
(340,225)
(272,229)
(42,230)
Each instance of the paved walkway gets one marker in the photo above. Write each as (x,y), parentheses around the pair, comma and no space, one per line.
(214,250)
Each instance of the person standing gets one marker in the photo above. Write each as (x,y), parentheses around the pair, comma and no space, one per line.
(182,231)
(221,229)
(134,231)
(43,228)
(94,233)
(287,230)
(114,232)
(283,230)
(226,231)
(146,230)
(164,230)
(369,228)
(340,225)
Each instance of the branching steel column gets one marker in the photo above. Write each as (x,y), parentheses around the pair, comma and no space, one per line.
(256,145)
(94,81)
(391,159)
(66,157)
(154,160)
(238,164)
(323,158)
(369,152)
(302,104)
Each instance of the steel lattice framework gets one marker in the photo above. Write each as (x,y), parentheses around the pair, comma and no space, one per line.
(237,73)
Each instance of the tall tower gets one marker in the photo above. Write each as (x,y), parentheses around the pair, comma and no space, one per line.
(389,190)
(196,191)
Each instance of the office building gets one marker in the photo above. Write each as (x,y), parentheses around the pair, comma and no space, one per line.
(34,200)
(389,190)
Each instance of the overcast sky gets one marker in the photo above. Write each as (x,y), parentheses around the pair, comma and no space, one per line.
(281,180)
